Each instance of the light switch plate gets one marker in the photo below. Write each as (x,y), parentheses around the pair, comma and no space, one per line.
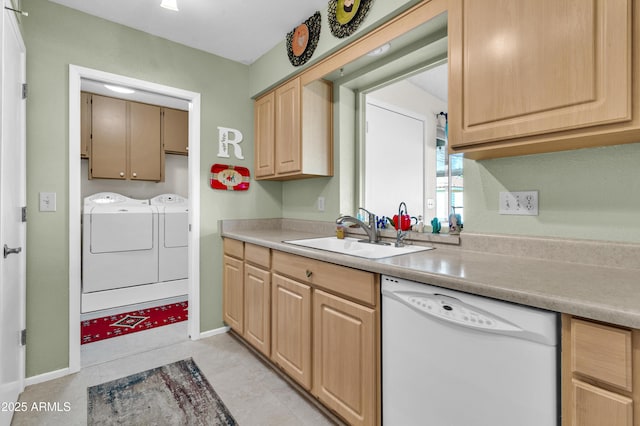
(47,201)
(519,203)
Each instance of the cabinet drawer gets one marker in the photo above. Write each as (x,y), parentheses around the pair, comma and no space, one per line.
(351,283)
(594,406)
(233,248)
(602,352)
(257,255)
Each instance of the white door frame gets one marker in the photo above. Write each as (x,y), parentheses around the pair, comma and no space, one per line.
(76,73)
(9,25)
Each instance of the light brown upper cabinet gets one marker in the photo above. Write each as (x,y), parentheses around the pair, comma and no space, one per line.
(293,131)
(264,131)
(125,140)
(85,124)
(544,75)
(175,131)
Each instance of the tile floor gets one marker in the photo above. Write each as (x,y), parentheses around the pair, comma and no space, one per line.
(252,391)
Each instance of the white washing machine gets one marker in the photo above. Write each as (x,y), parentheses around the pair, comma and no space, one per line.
(120,242)
(173,234)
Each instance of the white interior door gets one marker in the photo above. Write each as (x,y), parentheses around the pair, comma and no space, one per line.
(12,199)
(394,161)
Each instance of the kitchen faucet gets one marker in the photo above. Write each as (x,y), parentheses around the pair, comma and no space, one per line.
(400,235)
(371,229)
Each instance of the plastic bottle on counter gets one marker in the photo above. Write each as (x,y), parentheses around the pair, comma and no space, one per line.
(340,232)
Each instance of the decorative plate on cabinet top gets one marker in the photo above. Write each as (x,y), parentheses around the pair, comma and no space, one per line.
(302,40)
(345,16)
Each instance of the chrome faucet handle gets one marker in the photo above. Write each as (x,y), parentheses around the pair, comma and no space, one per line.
(372,218)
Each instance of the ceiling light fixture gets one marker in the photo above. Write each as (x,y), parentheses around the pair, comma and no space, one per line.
(170,4)
(380,50)
(119,89)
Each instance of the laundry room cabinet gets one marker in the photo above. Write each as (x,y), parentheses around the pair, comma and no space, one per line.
(293,131)
(85,124)
(539,76)
(175,131)
(600,374)
(125,140)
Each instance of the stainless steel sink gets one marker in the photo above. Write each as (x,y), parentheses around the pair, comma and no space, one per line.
(355,247)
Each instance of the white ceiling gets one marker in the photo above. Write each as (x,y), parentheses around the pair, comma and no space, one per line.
(434,81)
(240,30)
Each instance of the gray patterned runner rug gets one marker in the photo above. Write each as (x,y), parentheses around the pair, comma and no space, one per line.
(174,394)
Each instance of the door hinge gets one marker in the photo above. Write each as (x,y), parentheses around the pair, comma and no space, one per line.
(25,90)
(24,214)
(23,337)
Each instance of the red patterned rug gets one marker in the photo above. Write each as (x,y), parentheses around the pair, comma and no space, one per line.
(110,326)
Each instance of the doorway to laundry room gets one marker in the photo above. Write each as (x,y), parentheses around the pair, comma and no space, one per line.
(134,198)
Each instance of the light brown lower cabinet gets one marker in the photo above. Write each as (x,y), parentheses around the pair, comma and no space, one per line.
(233,285)
(291,328)
(344,357)
(316,321)
(600,374)
(233,293)
(257,308)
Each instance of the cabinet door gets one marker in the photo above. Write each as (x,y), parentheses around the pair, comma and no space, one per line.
(145,149)
(175,131)
(595,407)
(233,293)
(344,363)
(85,124)
(264,131)
(291,328)
(288,130)
(533,67)
(257,308)
(109,142)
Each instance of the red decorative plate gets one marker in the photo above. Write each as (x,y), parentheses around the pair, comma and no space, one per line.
(231,178)
(300,39)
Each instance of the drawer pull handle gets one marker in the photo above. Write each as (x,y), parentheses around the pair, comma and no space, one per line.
(308,273)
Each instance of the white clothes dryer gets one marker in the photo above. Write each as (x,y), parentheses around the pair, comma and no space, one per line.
(173,234)
(120,242)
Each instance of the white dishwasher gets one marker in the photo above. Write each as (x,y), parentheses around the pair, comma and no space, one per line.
(456,359)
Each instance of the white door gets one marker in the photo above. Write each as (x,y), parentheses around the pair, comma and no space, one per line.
(394,161)
(12,199)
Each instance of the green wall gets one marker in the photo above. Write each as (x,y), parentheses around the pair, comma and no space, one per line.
(591,193)
(300,197)
(583,194)
(55,37)
(586,194)
(274,66)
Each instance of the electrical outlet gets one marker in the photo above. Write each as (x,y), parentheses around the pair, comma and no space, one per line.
(320,204)
(519,203)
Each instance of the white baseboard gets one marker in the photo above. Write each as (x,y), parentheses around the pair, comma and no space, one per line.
(45,377)
(213,332)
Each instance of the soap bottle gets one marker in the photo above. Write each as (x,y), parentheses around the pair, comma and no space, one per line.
(419,227)
(340,232)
